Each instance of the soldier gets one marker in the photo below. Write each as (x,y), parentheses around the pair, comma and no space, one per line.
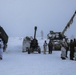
(74,43)
(50,47)
(75,53)
(63,51)
(75,49)
(71,49)
(45,47)
(1,49)
(66,46)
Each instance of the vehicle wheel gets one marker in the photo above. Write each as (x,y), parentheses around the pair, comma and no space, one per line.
(39,51)
(28,51)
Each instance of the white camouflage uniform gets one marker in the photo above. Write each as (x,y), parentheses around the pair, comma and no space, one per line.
(45,47)
(63,52)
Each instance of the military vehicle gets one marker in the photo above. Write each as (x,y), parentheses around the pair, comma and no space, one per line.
(59,36)
(4,37)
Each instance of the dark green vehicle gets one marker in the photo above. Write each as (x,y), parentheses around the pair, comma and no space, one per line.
(4,37)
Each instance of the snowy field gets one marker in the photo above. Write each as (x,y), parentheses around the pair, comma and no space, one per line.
(17,63)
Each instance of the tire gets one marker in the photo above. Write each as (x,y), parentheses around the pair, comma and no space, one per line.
(39,51)
(28,51)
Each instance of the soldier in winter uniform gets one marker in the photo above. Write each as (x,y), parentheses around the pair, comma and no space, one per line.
(74,44)
(66,46)
(75,53)
(63,51)
(45,46)
(50,47)
(71,49)
(1,49)
(75,49)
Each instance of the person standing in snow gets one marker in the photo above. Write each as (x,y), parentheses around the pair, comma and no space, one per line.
(75,53)
(45,46)
(1,49)
(71,49)
(74,43)
(50,47)
(75,49)
(63,52)
(66,46)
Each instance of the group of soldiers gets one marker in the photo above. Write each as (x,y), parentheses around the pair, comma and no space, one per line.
(71,46)
(65,47)
(49,45)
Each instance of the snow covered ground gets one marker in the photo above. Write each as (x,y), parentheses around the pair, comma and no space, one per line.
(17,63)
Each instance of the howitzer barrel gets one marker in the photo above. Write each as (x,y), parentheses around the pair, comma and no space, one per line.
(35,32)
(69,23)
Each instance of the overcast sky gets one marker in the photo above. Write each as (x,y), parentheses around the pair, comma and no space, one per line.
(18,17)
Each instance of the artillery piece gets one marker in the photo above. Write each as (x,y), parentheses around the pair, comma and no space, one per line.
(59,36)
(34,44)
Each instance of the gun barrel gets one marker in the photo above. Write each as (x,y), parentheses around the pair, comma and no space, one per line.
(35,32)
